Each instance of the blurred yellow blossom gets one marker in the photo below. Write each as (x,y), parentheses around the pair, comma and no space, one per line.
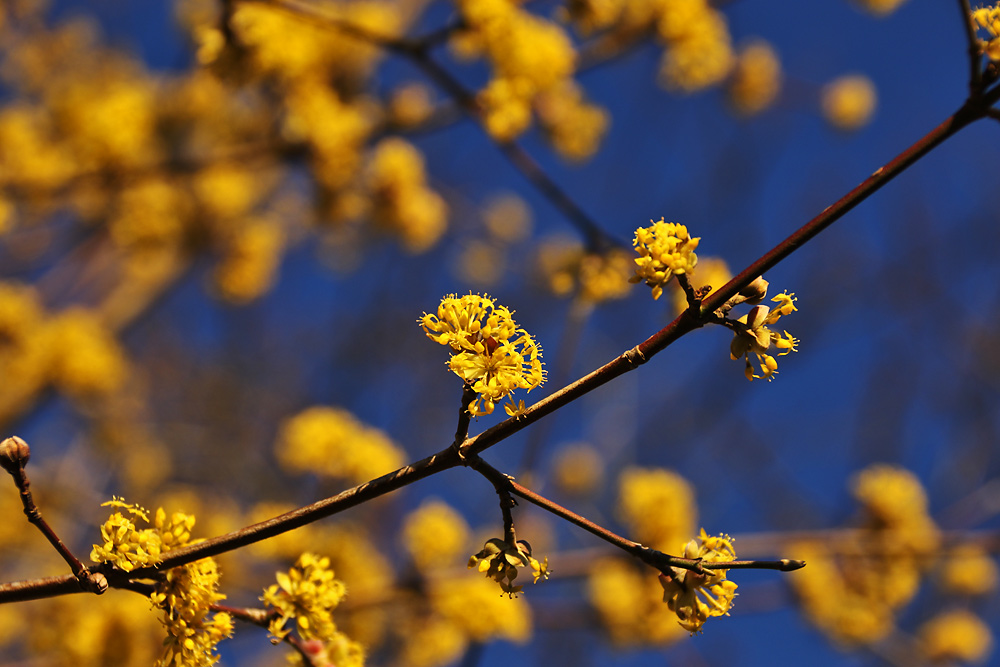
(657,505)
(567,267)
(491,354)
(957,635)
(753,335)
(968,569)
(849,102)
(474,606)
(250,260)
(574,126)
(87,358)
(332,442)
(410,105)
(507,218)
(879,7)
(631,610)
(755,81)
(481,263)
(434,535)
(150,213)
(402,202)
(578,469)
(695,597)
(699,49)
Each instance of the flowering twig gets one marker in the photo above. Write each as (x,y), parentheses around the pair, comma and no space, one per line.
(975,57)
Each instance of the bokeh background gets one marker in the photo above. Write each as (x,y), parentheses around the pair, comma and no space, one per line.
(899,322)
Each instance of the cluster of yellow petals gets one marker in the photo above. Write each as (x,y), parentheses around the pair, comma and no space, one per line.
(696,597)
(657,505)
(193,631)
(185,595)
(490,353)
(306,595)
(852,590)
(988,19)
(500,560)
(630,609)
(754,335)
(332,442)
(755,81)
(665,249)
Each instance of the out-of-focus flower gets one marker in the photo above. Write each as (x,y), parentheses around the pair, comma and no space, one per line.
(957,635)
(755,81)
(879,7)
(434,534)
(849,102)
(969,569)
(657,505)
(578,469)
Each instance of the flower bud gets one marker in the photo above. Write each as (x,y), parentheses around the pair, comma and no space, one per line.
(755,291)
(14,454)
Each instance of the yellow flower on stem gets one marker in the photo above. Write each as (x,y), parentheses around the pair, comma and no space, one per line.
(665,249)
(500,560)
(694,596)
(753,335)
(491,354)
(307,593)
(988,18)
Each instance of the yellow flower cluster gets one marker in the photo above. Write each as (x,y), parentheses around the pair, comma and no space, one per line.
(968,569)
(699,49)
(193,631)
(853,590)
(849,102)
(755,81)
(988,18)
(434,534)
(956,636)
(696,597)
(307,595)
(500,560)
(186,593)
(657,505)
(665,249)
(567,268)
(332,442)
(401,200)
(490,353)
(753,335)
(128,547)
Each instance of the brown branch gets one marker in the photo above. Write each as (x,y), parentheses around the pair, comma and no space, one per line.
(975,56)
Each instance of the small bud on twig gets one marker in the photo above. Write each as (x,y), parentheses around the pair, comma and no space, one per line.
(14,454)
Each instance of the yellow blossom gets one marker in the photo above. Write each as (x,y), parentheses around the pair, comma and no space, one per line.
(849,102)
(507,218)
(756,79)
(957,635)
(410,105)
(699,49)
(474,606)
(988,18)
(499,560)
(490,353)
(250,260)
(969,570)
(402,203)
(753,335)
(193,631)
(695,597)
(306,595)
(665,249)
(332,442)
(891,494)
(434,534)
(574,126)
(481,263)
